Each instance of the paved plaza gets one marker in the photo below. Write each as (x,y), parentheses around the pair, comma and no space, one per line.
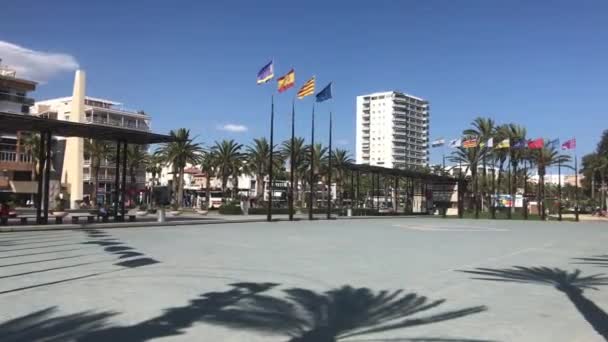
(304,281)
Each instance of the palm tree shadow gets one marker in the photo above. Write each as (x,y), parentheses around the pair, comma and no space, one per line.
(302,315)
(42,326)
(572,284)
(597,260)
(307,316)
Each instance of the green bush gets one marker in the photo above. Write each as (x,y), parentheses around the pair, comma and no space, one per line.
(264,211)
(230,209)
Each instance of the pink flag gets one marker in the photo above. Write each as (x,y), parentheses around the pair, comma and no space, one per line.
(569,144)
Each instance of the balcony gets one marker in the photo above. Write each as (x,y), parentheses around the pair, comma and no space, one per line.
(11,160)
(117,123)
(28,101)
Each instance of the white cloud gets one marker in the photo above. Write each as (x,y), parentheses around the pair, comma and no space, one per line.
(232,128)
(35,65)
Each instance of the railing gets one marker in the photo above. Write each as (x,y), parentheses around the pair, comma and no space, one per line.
(17,99)
(116,123)
(14,157)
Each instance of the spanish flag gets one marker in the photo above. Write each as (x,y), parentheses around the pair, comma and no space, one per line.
(506,143)
(470,143)
(287,81)
(307,89)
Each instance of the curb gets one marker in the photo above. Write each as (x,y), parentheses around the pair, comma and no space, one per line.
(112,225)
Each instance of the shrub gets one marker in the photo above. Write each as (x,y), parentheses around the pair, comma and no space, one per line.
(230,209)
(264,211)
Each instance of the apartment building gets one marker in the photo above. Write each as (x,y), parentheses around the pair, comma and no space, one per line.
(76,167)
(392,130)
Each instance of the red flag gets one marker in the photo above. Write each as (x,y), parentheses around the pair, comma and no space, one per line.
(569,144)
(536,144)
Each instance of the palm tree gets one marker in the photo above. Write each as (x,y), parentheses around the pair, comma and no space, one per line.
(600,164)
(340,161)
(207,167)
(517,155)
(482,129)
(96,151)
(31,144)
(137,159)
(320,165)
(500,155)
(338,314)
(300,157)
(178,154)
(471,158)
(228,159)
(154,167)
(543,158)
(572,284)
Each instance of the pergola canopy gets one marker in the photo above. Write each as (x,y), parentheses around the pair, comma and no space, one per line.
(11,123)
(399,172)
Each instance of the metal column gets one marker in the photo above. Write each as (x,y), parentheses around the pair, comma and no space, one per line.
(123,187)
(117,180)
(39,178)
(47,177)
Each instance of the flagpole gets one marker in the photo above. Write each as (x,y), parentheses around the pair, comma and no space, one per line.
(559,189)
(293,111)
(575,187)
(269,214)
(312,164)
(524,199)
(329,172)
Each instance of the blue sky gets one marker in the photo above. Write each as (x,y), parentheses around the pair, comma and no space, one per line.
(192,64)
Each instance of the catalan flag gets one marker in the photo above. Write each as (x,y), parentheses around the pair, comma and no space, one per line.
(307,89)
(287,81)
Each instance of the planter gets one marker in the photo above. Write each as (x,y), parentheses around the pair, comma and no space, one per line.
(202,212)
(141,213)
(60,213)
(175,213)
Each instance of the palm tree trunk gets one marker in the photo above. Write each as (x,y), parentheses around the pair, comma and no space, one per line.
(541,193)
(207,189)
(475,187)
(180,189)
(593,314)
(94,175)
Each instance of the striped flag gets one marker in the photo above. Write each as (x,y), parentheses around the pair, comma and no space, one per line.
(307,89)
(438,143)
(536,144)
(287,81)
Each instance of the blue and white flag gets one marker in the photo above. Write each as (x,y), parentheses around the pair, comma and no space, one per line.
(324,94)
(455,143)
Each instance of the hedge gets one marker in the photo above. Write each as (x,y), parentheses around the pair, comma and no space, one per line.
(230,209)
(264,211)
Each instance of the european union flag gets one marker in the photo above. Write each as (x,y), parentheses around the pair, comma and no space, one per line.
(324,94)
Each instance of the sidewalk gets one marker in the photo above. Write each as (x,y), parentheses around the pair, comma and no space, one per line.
(183,220)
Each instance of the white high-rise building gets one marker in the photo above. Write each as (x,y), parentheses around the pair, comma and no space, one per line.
(392,130)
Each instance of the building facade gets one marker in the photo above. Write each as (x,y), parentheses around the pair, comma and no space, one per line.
(76,167)
(392,130)
(17,164)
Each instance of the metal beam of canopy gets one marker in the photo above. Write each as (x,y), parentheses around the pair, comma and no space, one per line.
(12,123)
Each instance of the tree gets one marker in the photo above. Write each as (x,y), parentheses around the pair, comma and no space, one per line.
(207,167)
(257,157)
(154,167)
(299,161)
(96,151)
(500,155)
(137,159)
(517,155)
(470,157)
(340,161)
(31,144)
(227,159)
(178,154)
(543,158)
(482,129)
(320,165)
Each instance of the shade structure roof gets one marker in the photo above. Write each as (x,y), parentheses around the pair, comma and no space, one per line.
(11,123)
(400,173)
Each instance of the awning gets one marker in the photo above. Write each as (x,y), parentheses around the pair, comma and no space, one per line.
(24,187)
